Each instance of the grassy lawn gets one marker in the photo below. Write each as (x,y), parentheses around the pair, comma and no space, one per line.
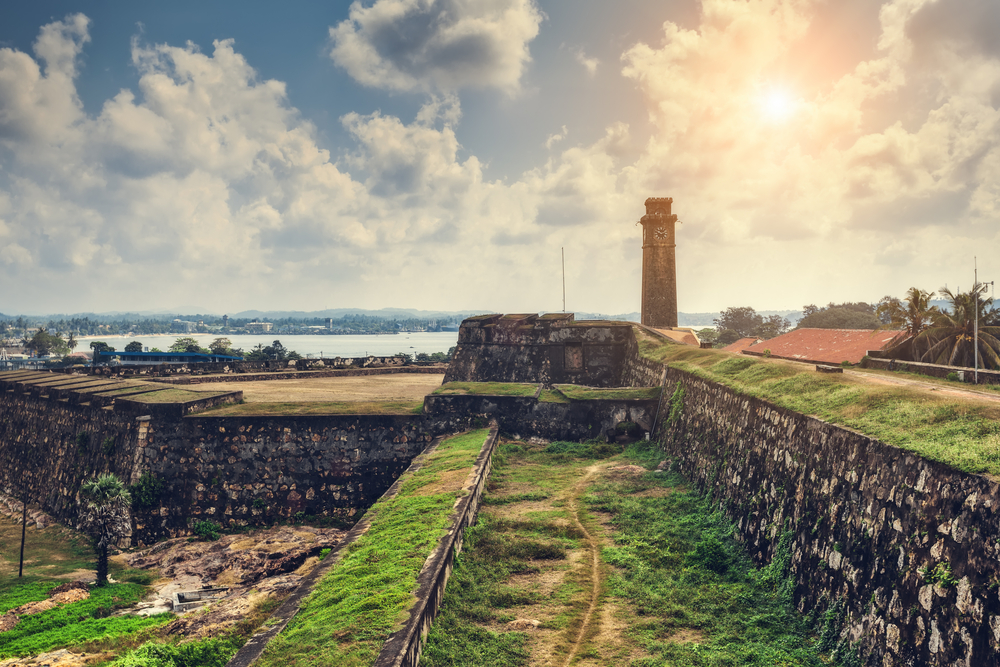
(367,595)
(317,408)
(174,396)
(579,393)
(487,389)
(673,587)
(960,431)
(55,556)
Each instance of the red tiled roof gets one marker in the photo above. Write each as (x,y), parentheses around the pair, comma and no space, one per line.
(828,346)
(740,345)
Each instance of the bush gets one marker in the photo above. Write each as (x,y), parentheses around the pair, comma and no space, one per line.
(206,530)
(146,493)
(204,653)
(710,553)
(953,376)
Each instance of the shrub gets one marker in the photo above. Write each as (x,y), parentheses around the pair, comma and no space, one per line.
(206,530)
(953,376)
(146,493)
(766,354)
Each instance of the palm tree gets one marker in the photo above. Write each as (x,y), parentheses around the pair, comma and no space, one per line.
(105,517)
(950,339)
(72,342)
(914,314)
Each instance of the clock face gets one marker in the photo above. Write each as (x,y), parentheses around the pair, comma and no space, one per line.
(660,234)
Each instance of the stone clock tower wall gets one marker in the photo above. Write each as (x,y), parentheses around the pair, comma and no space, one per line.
(659,267)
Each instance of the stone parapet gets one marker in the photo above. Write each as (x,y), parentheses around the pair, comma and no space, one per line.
(911,548)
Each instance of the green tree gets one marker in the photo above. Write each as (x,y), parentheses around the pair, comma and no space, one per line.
(44,343)
(276,351)
(221,346)
(72,342)
(187,345)
(105,516)
(743,320)
(858,315)
(99,346)
(914,314)
(134,346)
(950,339)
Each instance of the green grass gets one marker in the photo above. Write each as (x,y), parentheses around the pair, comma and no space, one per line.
(367,595)
(318,408)
(174,396)
(678,569)
(74,623)
(487,389)
(578,393)
(552,396)
(962,432)
(673,567)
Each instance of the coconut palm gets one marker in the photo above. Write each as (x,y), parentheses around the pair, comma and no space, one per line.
(914,314)
(105,517)
(950,338)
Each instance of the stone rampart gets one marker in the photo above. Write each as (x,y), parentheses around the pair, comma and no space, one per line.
(52,444)
(258,469)
(527,417)
(910,548)
(551,349)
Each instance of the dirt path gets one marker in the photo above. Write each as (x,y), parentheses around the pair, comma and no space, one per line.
(930,386)
(595,562)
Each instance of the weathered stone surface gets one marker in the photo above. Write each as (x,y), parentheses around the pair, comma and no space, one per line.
(551,349)
(867,518)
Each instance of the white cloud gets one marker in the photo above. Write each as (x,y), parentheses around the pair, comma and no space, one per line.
(589,64)
(437,45)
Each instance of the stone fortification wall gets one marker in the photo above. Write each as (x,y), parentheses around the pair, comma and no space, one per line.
(255,470)
(428,369)
(234,470)
(551,349)
(527,417)
(52,444)
(910,547)
(237,367)
(639,371)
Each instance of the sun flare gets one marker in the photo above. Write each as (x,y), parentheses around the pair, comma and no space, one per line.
(777,105)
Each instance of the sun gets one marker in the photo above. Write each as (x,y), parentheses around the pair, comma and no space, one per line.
(777,105)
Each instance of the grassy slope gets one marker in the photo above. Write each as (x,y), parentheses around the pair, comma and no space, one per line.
(578,393)
(689,594)
(364,598)
(961,432)
(487,389)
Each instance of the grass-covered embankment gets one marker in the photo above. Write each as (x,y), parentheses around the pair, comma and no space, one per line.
(674,587)
(486,389)
(368,593)
(960,431)
(316,408)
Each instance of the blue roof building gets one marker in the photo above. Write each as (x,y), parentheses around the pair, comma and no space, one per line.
(157,358)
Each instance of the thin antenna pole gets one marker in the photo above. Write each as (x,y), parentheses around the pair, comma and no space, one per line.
(563,250)
(975,293)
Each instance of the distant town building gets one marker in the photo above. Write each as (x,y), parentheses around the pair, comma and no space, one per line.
(225,321)
(183,326)
(329,323)
(259,327)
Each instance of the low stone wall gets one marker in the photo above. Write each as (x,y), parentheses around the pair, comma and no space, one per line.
(238,367)
(933,370)
(404,646)
(300,375)
(525,416)
(910,547)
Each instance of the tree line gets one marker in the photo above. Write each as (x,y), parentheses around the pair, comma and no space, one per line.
(935,335)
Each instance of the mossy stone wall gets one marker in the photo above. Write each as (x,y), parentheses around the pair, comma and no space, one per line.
(911,547)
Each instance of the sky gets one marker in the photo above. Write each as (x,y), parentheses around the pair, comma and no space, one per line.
(443,154)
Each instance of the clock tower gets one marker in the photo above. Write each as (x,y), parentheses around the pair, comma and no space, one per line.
(659,267)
